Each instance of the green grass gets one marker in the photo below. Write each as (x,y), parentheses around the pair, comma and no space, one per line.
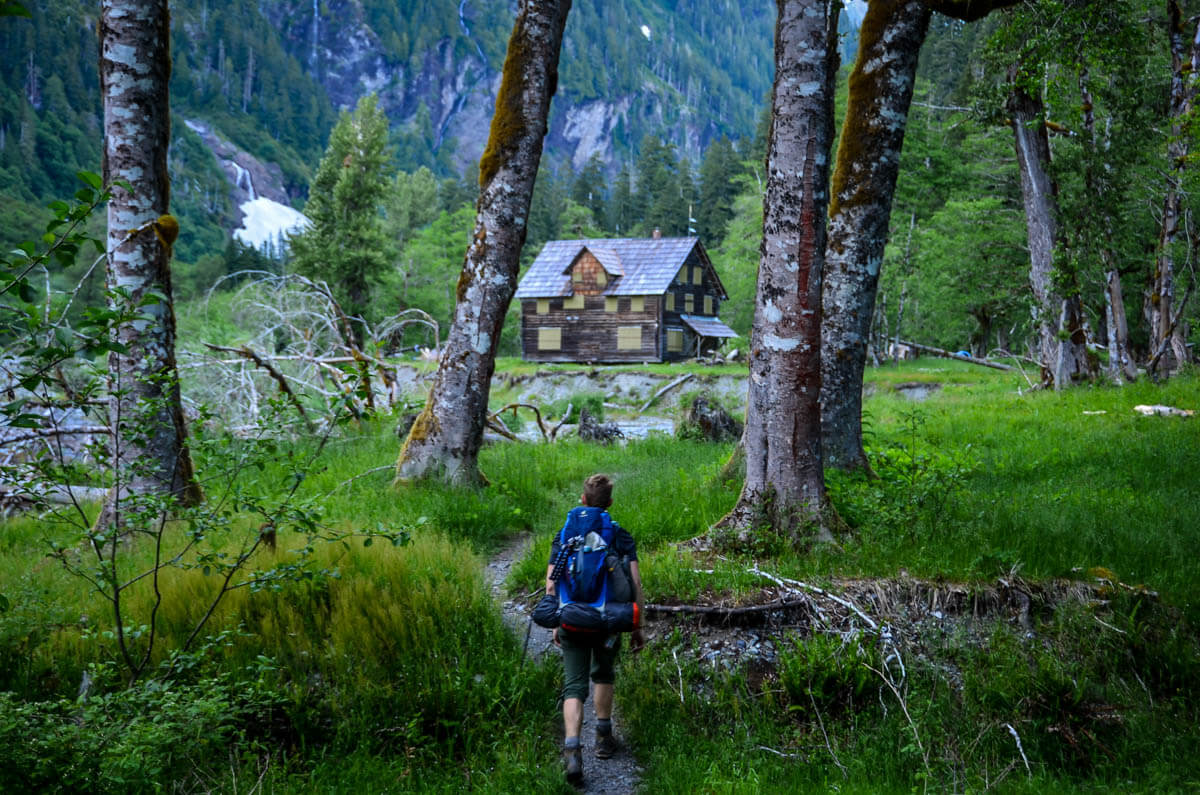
(398,673)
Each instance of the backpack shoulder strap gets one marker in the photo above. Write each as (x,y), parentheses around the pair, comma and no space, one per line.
(608,528)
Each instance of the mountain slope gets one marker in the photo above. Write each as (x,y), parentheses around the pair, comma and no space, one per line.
(268,77)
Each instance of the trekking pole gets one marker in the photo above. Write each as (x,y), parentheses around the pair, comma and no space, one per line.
(528,631)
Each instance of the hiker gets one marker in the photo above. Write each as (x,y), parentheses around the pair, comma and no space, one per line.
(595,653)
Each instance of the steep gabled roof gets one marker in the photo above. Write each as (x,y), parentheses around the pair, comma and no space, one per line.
(643,266)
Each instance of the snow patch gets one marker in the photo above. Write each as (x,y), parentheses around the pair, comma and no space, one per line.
(646,31)
(264,221)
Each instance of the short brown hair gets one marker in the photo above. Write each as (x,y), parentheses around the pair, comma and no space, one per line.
(597,491)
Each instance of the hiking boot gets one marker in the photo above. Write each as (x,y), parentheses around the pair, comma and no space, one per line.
(606,745)
(573,764)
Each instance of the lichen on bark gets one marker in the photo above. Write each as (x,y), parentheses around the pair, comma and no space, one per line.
(784,485)
(149,435)
(446,444)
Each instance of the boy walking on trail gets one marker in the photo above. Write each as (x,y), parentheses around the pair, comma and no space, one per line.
(595,654)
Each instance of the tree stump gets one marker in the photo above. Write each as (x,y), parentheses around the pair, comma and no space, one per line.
(592,430)
(705,418)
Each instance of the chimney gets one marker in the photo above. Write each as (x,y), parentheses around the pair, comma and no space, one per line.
(657,234)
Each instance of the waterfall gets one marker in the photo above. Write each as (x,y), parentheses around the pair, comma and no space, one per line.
(462,22)
(244,180)
(316,29)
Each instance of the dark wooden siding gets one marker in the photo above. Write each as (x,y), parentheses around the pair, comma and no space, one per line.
(682,286)
(590,334)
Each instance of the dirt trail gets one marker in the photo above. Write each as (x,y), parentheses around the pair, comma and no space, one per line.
(621,773)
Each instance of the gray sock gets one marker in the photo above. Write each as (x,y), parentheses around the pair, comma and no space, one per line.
(603,725)
(571,742)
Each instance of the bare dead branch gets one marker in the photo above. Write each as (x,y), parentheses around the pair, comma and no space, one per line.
(948,355)
(261,361)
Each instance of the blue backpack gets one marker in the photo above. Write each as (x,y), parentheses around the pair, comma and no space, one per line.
(584,584)
(585,579)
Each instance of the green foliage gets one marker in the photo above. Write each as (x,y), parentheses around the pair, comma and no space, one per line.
(592,401)
(132,740)
(346,246)
(828,674)
(736,259)
(429,267)
(718,187)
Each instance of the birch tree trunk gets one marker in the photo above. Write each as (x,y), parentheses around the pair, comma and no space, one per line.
(444,441)
(864,182)
(785,484)
(1183,91)
(148,436)
(1062,360)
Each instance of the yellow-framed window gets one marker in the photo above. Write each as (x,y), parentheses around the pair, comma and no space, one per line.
(549,339)
(670,302)
(708,305)
(629,338)
(601,278)
(637,303)
(674,340)
(574,302)
(688,303)
(610,303)
(697,275)
(543,306)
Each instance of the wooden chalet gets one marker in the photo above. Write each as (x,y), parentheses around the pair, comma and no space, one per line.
(623,300)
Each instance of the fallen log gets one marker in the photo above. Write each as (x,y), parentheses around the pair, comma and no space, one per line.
(916,346)
(680,380)
(46,433)
(717,610)
(59,495)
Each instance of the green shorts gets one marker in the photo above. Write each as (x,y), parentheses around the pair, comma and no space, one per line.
(583,657)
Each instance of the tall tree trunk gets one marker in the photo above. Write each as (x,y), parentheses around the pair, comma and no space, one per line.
(1183,92)
(1120,363)
(445,439)
(864,182)
(1062,360)
(149,439)
(785,483)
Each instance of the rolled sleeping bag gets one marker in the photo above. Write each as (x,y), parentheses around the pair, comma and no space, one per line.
(546,612)
(616,617)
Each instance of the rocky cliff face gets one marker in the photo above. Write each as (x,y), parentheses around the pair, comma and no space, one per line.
(455,80)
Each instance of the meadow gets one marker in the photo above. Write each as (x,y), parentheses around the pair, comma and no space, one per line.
(390,668)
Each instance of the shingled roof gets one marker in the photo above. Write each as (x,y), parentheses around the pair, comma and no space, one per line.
(648,265)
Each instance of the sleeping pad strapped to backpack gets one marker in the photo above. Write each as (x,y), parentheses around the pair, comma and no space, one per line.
(595,594)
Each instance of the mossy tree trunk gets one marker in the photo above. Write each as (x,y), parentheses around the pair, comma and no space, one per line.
(784,486)
(864,182)
(1163,328)
(148,435)
(444,441)
(1058,313)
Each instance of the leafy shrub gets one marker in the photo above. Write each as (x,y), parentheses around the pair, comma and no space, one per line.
(129,740)
(827,673)
(592,401)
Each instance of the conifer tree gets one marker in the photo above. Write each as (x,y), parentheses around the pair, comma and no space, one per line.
(718,189)
(346,246)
